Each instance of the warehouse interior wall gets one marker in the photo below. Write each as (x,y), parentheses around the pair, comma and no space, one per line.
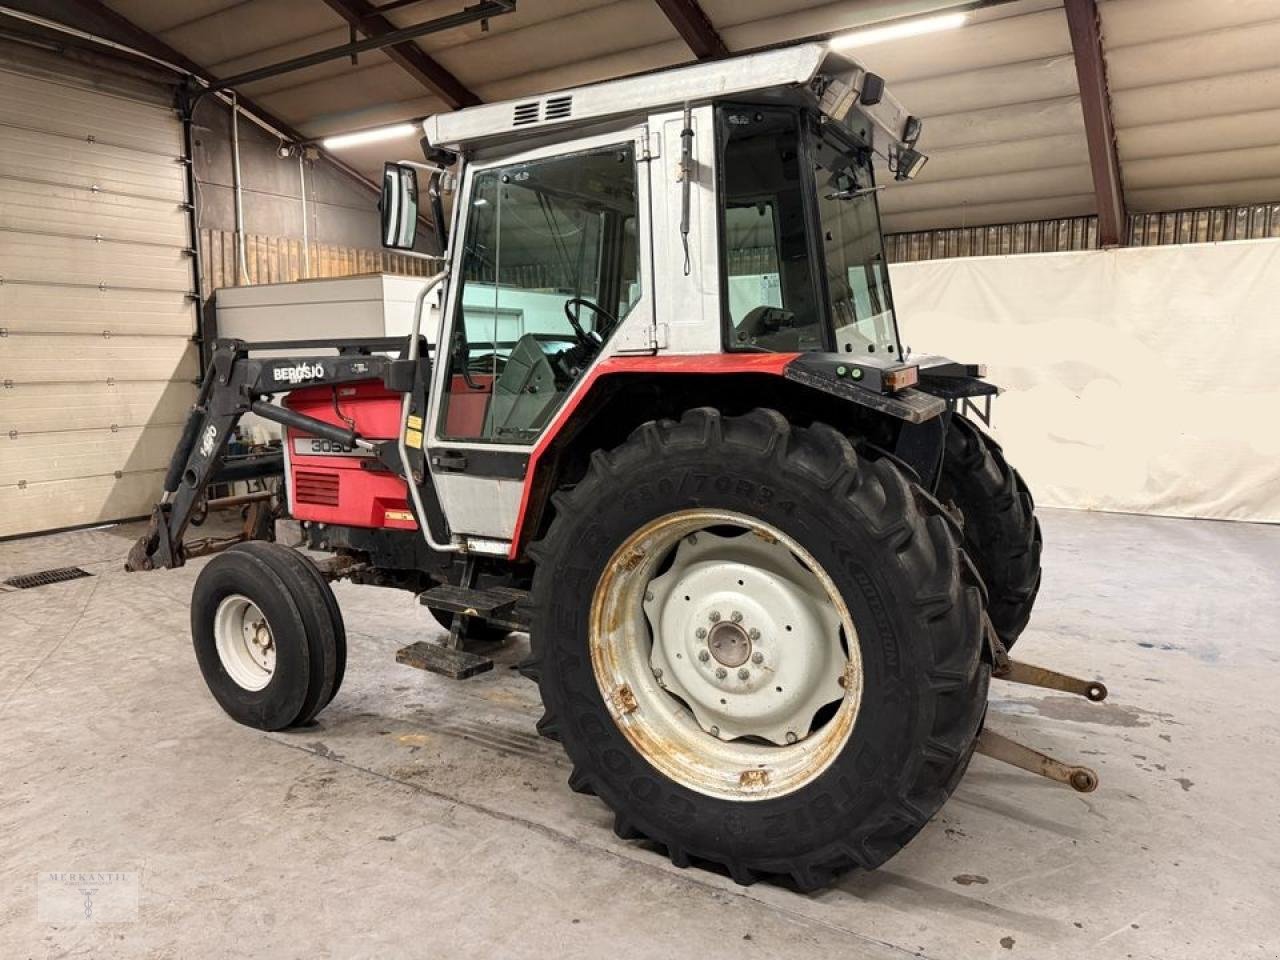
(339,211)
(344,210)
(1136,380)
(97,357)
(96,320)
(303,218)
(342,216)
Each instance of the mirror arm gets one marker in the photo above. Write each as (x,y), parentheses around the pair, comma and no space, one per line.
(437,212)
(431,168)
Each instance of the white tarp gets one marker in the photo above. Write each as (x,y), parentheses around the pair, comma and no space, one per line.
(1141,380)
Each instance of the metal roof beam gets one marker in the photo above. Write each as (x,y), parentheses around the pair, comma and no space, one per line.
(1100,133)
(364,17)
(481,11)
(695,28)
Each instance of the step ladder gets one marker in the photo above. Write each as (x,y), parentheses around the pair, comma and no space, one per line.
(461,655)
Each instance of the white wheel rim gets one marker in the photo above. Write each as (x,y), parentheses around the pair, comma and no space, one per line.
(715,690)
(244,641)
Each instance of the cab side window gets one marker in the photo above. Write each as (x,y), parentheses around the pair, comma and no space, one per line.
(550,268)
(772,301)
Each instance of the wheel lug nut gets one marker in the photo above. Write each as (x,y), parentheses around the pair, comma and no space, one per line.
(753,634)
(657,673)
(736,617)
(757,658)
(744,674)
(714,616)
(721,673)
(692,538)
(700,633)
(704,656)
(715,731)
(791,737)
(648,595)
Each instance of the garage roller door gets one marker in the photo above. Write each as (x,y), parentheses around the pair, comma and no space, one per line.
(96,321)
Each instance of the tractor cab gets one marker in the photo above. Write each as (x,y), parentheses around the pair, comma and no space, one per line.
(668,214)
(715,209)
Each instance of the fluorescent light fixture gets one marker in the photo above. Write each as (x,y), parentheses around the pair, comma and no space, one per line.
(898,31)
(396,131)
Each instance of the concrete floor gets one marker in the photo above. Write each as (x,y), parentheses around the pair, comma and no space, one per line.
(425,818)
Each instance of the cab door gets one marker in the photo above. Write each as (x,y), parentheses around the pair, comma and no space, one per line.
(554,274)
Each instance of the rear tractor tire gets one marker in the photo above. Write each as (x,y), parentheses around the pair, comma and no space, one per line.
(268,635)
(759,649)
(1001,532)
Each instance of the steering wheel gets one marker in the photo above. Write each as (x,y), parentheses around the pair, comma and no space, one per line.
(594,337)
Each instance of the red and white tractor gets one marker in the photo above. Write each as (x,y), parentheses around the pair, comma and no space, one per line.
(667,426)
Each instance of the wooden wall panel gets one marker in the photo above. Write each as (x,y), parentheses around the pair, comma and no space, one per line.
(283,260)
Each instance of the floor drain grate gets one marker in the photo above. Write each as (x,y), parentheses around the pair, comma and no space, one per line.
(45,577)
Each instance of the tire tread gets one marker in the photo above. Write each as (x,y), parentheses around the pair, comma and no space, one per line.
(1001,532)
(309,590)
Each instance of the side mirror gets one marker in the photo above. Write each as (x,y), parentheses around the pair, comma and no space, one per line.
(399,206)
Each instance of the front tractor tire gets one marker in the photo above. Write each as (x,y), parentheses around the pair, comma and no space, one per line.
(1001,532)
(268,635)
(758,648)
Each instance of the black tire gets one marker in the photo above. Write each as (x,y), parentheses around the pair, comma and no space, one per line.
(914,597)
(301,631)
(1001,532)
(274,552)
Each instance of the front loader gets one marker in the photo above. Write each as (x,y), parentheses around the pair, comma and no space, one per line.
(768,561)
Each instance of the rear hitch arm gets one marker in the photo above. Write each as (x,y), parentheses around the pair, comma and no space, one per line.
(999,747)
(1015,671)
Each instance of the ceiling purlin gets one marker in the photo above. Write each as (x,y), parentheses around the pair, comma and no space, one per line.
(364,17)
(695,28)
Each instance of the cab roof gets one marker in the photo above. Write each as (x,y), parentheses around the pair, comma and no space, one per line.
(831,82)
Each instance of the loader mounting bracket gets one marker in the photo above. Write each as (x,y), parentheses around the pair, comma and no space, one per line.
(237,382)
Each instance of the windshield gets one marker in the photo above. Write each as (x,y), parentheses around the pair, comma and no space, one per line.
(771,174)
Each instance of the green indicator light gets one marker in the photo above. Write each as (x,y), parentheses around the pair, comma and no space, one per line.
(857,373)
(841,370)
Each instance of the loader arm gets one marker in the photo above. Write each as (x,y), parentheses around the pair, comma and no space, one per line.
(238,382)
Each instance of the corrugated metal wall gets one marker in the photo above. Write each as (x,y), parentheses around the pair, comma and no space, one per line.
(1251,222)
(96,321)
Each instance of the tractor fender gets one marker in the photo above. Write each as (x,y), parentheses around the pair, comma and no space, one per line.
(860,382)
(826,373)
